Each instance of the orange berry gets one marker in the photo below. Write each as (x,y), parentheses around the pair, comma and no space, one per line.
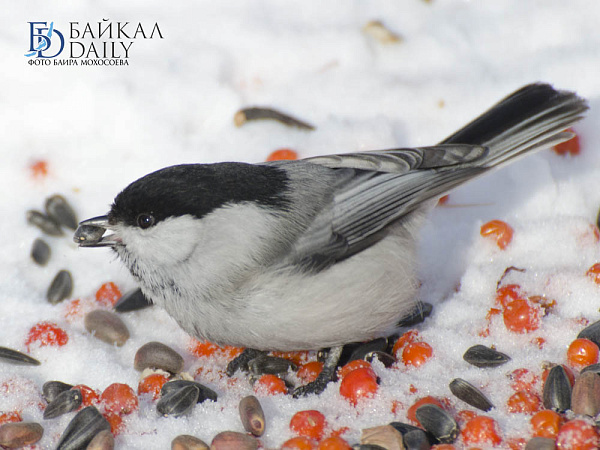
(115,421)
(298,358)
(283,154)
(270,385)
(353,365)
(524,402)
(570,147)
(523,380)
(310,371)
(299,443)
(508,293)
(108,294)
(582,353)
(443,447)
(152,384)
(119,398)
(577,435)
(10,416)
(334,443)
(46,334)
(481,430)
(39,169)
(594,273)
(416,353)
(546,424)
(360,383)
(521,316)
(405,339)
(89,396)
(500,231)
(310,423)
(516,443)
(411,414)
(206,349)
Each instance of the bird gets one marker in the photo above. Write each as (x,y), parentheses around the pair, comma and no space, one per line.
(313,253)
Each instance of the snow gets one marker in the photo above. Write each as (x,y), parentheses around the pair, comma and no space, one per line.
(101,127)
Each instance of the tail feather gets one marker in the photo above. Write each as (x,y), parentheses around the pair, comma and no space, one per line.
(530,119)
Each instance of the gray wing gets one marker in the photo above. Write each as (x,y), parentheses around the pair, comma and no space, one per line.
(374,190)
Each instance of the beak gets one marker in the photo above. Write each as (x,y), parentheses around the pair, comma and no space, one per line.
(90,233)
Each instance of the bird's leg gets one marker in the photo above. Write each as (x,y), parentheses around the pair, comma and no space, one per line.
(241,361)
(326,375)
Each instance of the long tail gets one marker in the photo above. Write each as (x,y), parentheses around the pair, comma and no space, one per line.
(531,118)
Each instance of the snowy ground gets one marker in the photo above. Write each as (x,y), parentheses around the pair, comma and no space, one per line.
(101,127)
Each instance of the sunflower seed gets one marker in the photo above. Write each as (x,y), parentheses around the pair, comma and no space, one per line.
(438,422)
(595,368)
(178,402)
(88,234)
(585,398)
(259,113)
(107,327)
(482,356)
(52,389)
(82,429)
(364,349)
(231,440)
(60,288)
(44,223)
(158,356)
(102,441)
(385,436)
(59,209)
(252,415)
(540,443)
(405,428)
(20,434)
(557,390)
(132,301)
(385,358)
(40,252)
(273,365)
(591,332)
(64,403)
(468,393)
(14,357)
(416,440)
(204,392)
(418,315)
(187,442)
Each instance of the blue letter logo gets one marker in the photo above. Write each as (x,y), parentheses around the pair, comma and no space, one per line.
(40,39)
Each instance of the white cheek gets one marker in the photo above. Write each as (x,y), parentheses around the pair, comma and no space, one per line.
(169,242)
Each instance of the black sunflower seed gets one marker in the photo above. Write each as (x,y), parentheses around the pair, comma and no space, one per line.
(51,389)
(132,301)
(59,209)
(468,393)
(44,223)
(557,390)
(40,252)
(204,392)
(438,422)
(60,288)
(265,364)
(178,402)
(14,357)
(82,429)
(64,403)
(482,356)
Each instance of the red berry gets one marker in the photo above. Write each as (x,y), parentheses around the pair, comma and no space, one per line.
(108,294)
(39,169)
(594,273)
(407,338)
(481,430)
(360,383)
(10,416)
(577,435)
(309,423)
(283,154)
(152,384)
(522,316)
(299,443)
(582,353)
(524,402)
(570,147)
(416,353)
(270,385)
(310,371)
(546,424)
(499,231)
(119,398)
(89,396)
(507,293)
(353,365)
(334,443)
(523,380)
(411,414)
(45,333)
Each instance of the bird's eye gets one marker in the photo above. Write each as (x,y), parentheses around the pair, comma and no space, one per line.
(145,220)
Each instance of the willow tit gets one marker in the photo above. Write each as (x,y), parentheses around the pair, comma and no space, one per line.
(308,254)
